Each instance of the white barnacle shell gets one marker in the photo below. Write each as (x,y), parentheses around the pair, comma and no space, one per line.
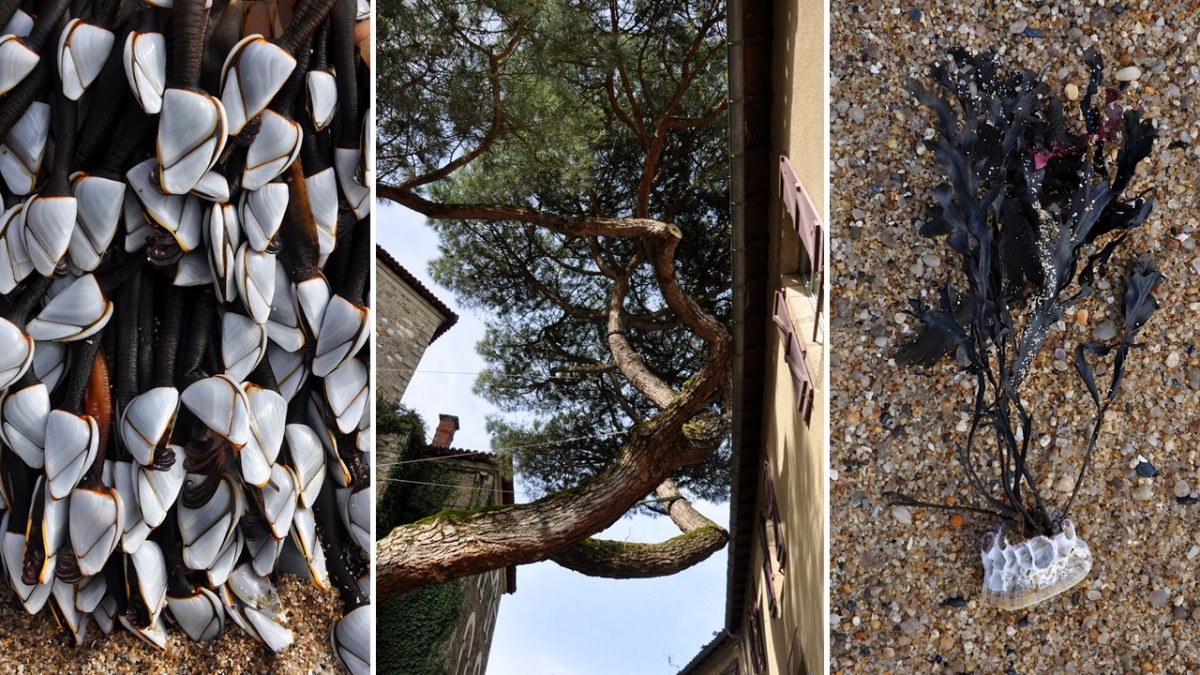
(243,345)
(191,135)
(147,421)
(1020,575)
(224,239)
(78,312)
(273,150)
(97,215)
(322,97)
(145,61)
(283,324)
(346,390)
(351,639)
(16,353)
(221,404)
(82,51)
(96,519)
(255,70)
(345,328)
(24,149)
(23,428)
(49,221)
(200,615)
(323,201)
(16,61)
(347,162)
(261,213)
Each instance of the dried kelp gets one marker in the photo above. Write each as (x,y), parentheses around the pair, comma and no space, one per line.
(1034,214)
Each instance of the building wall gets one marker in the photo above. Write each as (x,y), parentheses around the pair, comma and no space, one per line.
(405,325)
(796,448)
(478,483)
(466,651)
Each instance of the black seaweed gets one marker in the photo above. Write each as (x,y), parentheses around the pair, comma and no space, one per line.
(1034,214)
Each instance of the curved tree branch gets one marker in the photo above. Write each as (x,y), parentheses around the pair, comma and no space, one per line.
(454,544)
(700,539)
(628,560)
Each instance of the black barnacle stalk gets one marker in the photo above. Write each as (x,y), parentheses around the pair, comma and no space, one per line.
(1033,212)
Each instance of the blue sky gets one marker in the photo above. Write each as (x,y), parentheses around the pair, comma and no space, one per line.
(560,622)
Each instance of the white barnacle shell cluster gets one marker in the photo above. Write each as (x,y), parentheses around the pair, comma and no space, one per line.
(1026,573)
(125,196)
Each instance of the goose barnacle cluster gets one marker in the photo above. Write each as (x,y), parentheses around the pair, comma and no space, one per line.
(183,322)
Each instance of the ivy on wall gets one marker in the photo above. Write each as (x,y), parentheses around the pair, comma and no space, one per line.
(412,627)
(412,490)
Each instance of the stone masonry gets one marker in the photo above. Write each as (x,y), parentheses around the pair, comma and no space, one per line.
(410,319)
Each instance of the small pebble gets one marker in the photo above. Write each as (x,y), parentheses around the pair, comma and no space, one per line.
(956,520)
(902,514)
(1182,489)
(1145,469)
(914,15)
(1065,484)
(1081,317)
(1105,330)
(1159,598)
(1017,27)
(946,643)
(1072,93)
(1128,74)
(910,625)
(1143,493)
(955,602)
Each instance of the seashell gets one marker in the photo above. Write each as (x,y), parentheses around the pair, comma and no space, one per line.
(1020,575)
(82,50)
(191,135)
(145,61)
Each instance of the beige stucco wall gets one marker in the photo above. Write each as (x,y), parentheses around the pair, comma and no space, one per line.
(796,640)
(405,324)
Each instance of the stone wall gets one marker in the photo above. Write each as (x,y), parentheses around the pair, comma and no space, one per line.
(405,326)
(466,652)
(478,482)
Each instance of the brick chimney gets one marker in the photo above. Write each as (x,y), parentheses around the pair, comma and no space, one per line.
(444,436)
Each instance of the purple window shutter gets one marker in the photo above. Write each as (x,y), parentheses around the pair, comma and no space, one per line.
(758,644)
(773,513)
(807,223)
(767,567)
(793,351)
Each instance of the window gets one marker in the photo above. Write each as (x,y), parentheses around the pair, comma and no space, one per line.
(793,354)
(772,514)
(806,221)
(771,541)
(757,644)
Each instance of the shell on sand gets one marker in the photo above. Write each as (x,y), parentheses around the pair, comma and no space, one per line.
(1021,575)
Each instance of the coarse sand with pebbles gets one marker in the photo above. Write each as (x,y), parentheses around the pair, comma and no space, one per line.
(905,591)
